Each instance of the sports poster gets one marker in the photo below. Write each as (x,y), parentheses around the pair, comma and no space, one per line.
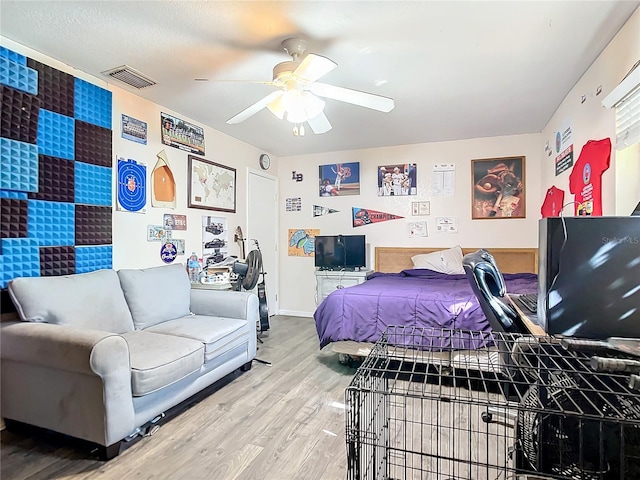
(339,179)
(134,130)
(180,134)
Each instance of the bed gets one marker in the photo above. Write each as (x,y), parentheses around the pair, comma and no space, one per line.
(353,318)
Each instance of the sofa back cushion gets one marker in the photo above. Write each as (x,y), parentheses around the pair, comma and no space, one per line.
(156,294)
(87,300)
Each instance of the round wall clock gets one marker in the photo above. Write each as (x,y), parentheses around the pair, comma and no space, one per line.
(265,161)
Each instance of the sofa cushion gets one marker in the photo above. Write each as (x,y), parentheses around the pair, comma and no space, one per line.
(160,360)
(156,294)
(87,300)
(217,334)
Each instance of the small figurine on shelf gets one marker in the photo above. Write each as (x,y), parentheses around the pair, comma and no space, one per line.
(194,268)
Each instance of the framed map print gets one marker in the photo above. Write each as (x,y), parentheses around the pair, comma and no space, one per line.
(211,185)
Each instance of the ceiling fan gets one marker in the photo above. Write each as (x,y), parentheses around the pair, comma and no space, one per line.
(298,96)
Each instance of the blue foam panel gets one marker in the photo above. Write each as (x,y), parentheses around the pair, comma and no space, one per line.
(20,77)
(56,135)
(89,259)
(13,194)
(92,184)
(51,223)
(20,258)
(13,56)
(19,163)
(92,104)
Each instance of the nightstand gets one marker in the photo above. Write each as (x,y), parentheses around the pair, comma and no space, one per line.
(330,280)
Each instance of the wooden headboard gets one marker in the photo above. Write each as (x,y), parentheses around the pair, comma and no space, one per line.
(509,260)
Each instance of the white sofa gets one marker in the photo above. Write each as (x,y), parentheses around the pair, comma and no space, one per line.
(100,355)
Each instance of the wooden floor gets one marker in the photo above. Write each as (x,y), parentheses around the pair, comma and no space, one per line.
(280,422)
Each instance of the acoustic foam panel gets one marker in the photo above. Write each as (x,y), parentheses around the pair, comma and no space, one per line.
(16,75)
(19,115)
(55,180)
(56,153)
(55,88)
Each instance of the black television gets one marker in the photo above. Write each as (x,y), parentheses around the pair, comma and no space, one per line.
(589,276)
(340,252)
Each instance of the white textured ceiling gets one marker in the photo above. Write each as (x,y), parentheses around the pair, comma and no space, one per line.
(456,70)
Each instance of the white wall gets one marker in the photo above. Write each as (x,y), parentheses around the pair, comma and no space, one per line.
(297,280)
(592,121)
(131,250)
(130,246)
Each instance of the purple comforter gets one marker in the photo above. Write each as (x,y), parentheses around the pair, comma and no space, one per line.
(415,298)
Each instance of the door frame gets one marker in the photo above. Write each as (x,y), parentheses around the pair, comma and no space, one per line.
(275,275)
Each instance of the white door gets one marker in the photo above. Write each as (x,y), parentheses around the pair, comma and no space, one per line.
(262,225)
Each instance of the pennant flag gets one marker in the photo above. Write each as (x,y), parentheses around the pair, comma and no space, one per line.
(318,211)
(365,216)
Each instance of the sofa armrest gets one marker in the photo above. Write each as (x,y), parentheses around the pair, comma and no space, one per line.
(225,303)
(64,348)
(74,381)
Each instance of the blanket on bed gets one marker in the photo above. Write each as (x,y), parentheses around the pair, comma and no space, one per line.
(418,297)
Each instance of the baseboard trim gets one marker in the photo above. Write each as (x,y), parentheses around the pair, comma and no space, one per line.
(295,313)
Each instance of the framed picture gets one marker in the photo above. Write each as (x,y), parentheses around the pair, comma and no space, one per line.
(498,188)
(211,185)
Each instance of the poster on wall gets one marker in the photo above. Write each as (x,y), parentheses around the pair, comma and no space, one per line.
(180,134)
(131,189)
(339,179)
(498,189)
(215,245)
(563,149)
(302,242)
(397,180)
(134,130)
(443,179)
(366,216)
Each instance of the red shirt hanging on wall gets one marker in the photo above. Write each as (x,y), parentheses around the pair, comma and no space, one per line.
(585,181)
(553,201)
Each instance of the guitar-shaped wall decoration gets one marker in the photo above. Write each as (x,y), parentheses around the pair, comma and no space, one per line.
(262,298)
(239,239)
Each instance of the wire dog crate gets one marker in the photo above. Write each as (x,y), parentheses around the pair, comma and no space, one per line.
(503,406)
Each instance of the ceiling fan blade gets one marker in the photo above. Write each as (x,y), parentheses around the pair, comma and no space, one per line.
(355,97)
(255,108)
(277,107)
(319,123)
(313,67)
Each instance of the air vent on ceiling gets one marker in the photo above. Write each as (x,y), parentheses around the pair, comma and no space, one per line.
(130,76)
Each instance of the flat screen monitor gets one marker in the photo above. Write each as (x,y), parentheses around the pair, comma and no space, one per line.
(336,252)
(589,276)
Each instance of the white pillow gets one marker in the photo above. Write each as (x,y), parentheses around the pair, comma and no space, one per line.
(444,261)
